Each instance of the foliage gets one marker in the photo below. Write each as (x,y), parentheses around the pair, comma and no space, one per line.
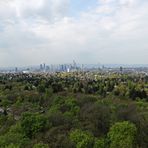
(12,146)
(79,109)
(32,124)
(14,138)
(99,143)
(81,139)
(123,135)
(40,145)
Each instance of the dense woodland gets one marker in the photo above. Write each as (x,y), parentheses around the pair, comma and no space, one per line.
(73,110)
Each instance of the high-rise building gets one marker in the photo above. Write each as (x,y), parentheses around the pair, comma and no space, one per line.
(16,69)
(44,66)
(41,67)
(121,69)
(74,64)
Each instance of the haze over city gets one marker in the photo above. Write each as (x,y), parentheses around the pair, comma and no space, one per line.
(58,31)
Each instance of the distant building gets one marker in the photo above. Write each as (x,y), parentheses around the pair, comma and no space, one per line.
(44,66)
(68,70)
(121,69)
(25,71)
(47,68)
(41,67)
(16,69)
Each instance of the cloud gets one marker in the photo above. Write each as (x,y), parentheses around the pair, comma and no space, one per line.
(112,31)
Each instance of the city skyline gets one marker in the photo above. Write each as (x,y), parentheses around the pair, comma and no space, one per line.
(58,31)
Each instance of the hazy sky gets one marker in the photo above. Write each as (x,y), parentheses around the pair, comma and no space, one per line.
(60,31)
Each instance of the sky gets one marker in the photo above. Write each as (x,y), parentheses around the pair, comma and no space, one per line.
(60,31)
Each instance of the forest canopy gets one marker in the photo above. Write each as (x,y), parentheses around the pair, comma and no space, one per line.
(73,110)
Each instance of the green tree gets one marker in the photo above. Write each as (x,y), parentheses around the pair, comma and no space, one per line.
(122,135)
(12,146)
(40,145)
(81,139)
(32,124)
(99,143)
